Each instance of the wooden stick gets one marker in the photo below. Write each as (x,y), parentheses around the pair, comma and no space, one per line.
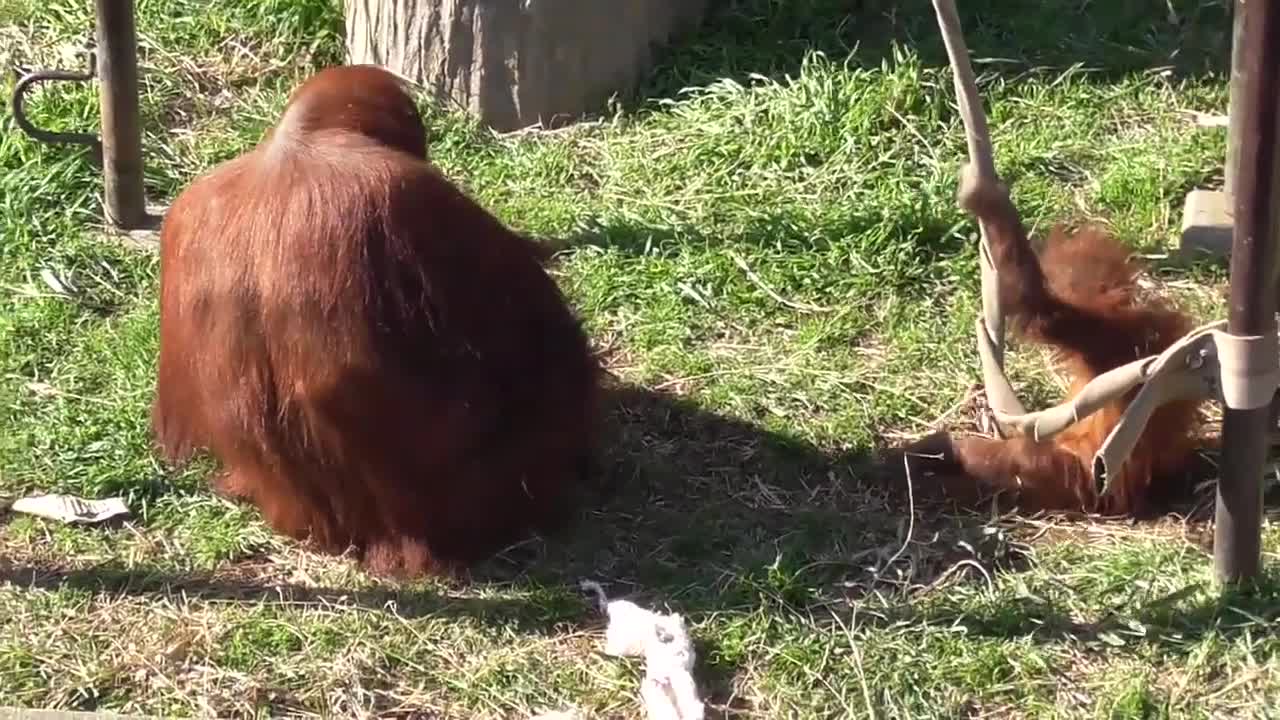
(970,103)
(978,138)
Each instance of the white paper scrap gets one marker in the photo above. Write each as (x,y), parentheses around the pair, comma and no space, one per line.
(668,689)
(71,509)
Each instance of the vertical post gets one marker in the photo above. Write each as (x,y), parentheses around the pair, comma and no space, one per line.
(1233,111)
(121,132)
(1256,199)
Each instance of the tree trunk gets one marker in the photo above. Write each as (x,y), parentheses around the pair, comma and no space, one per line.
(516,63)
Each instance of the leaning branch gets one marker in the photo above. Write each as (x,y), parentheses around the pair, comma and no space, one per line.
(975,121)
(1000,395)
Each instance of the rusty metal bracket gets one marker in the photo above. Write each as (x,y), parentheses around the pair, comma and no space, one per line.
(28,80)
(112,50)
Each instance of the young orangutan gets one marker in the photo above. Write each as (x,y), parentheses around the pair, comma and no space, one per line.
(1079,297)
(375,360)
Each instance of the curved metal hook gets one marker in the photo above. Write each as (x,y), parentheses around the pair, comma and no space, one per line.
(29,80)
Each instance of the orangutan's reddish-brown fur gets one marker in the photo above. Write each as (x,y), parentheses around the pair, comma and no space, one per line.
(1079,297)
(375,360)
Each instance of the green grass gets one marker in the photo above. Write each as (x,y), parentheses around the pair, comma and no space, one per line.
(812,145)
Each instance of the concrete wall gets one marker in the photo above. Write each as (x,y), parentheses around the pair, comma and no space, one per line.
(515,63)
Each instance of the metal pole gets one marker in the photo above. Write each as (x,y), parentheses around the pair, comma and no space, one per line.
(1237,532)
(121,132)
(1234,91)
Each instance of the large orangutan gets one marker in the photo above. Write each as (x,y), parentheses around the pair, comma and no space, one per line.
(1079,297)
(376,361)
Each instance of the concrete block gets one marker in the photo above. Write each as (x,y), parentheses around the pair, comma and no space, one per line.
(1206,223)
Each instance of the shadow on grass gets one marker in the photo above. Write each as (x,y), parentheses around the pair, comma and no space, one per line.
(540,612)
(706,513)
(906,247)
(1176,622)
(770,37)
(692,509)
